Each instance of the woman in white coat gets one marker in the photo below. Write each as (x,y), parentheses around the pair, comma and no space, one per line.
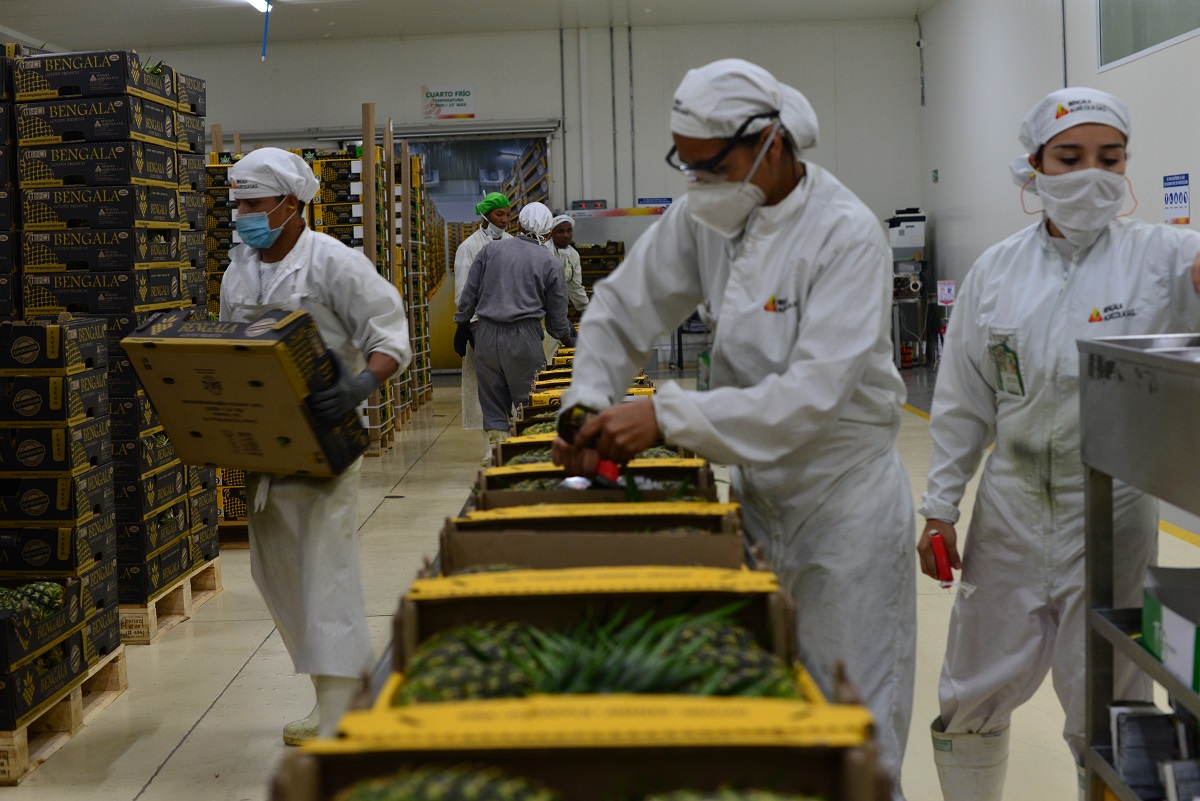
(795,274)
(1010,377)
(495,210)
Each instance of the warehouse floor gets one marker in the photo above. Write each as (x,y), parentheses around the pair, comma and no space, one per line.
(202,717)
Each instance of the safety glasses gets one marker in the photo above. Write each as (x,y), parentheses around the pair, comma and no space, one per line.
(708,170)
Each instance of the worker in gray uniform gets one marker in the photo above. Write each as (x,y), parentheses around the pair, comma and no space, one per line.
(513,285)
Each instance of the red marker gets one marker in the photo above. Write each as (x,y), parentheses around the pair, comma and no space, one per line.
(942,558)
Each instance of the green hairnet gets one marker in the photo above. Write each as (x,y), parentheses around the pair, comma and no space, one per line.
(493,201)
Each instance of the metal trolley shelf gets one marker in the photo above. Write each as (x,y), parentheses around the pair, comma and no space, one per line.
(1140,424)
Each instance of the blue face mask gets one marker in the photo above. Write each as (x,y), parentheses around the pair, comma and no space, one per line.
(256,231)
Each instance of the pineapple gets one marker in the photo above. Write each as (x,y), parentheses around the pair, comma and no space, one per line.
(531,457)
(729,794)
(549,427)
(45,597)
(10,599)
(459,783)
(483,661)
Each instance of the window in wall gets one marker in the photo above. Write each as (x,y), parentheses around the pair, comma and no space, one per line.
(1130,28)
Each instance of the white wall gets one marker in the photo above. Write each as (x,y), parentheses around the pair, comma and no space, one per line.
(986,64)
(860,77)
(1157,88)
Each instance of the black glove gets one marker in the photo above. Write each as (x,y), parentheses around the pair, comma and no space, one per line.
(344,396)
(462,337)
(569,342)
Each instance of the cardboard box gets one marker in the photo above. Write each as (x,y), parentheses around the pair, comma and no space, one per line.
(206,543)
(99,250)
(10,249)
(121,326)
(10,297)
(122,379)
(604,748)
(36,553)
(100,588)
(138,458)
(144,581)
(132,418)
(23,637)
(191,171)
(56,502)
(105,119)
(189,129)
(41,401)
(202,507)
(6,90)
(230,477)
(102,635)
(234,394)
(97,164)
(332,170)
(338,192)
(492,489)
(191,247)
(559,537)
(10,217)
(559,598)
(93,73)
(103,293)
(220,216)
(216,176)
(76,207)
(218,242)
(329,214)
(138,540)
(141,498)
(25,693)
(53,451)
(8,174)
(232,503)
(193,94)
(192,211)
(196,286)
(55,349)
(201,479)
(349,235)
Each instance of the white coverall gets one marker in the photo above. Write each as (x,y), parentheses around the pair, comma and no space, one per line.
(573,272)
(805,402)
(1025,549)
(464,257)
(304,531)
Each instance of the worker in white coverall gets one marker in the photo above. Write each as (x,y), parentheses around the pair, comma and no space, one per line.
(795,273)
(304,531)
(1010,377)
(513,286)
(495,211)
(559,243)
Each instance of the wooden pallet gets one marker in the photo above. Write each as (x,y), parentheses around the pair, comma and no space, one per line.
(144,624)
(380,442)
(23,750)
(234,534)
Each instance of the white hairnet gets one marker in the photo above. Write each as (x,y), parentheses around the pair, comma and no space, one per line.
(1059,111)
(560,219)
(536,219)
(270,172)
(1066,108)
(713,101)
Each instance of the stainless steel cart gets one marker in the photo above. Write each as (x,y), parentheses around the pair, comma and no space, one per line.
(1140,405)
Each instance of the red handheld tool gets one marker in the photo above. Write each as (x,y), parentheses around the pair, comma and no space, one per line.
(942,558)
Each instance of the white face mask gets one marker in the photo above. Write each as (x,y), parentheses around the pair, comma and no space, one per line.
(724,206)
(1081,203)
(493,231)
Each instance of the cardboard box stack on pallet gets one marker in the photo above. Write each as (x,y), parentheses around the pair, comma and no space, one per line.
(219,232)
(692,685)
(105,147)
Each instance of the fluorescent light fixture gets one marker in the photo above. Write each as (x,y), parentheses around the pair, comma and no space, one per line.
(260,6)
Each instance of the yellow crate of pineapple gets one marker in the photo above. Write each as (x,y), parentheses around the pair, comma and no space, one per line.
(665,479)
(553,397)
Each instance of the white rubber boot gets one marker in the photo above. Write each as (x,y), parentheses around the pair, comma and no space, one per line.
(970,767)
(301,731)
(1081,774)
(334,694)
(494,437)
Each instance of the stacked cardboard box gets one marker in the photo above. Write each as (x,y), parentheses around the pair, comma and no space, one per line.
(338,208)
(57,507)
(193,181)
(10,205)
(220,214)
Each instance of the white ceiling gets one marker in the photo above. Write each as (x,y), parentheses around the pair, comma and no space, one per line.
(147,24)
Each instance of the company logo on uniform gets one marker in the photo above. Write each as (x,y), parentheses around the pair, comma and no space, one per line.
(1060,112)
(1079,105)
(778,304)
(1115,311)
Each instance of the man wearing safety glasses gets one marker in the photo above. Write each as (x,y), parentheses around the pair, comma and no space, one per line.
(794,274)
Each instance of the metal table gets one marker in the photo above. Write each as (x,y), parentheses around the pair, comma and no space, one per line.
(1140,424)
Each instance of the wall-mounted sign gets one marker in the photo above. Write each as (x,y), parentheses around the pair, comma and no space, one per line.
(448,102)
(1177,202)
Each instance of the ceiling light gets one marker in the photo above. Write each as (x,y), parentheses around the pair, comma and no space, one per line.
(260,5)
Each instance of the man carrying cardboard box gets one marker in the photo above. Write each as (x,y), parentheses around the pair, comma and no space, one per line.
(304,531)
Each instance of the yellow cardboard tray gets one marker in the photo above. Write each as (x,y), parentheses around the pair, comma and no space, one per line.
(556,511)
(590,580)
(517,470)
